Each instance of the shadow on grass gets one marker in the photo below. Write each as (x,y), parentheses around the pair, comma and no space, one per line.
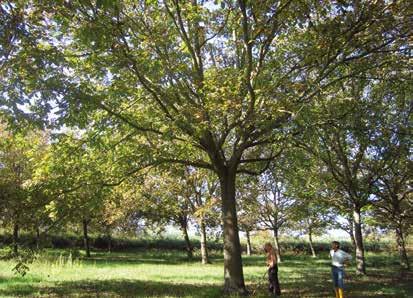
(381,283)
(115,288)
(320,285)
(306,285)
(378,284)
(300,276)
(313,279)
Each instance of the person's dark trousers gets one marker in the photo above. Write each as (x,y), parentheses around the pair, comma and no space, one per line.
(274,286)
(338,276)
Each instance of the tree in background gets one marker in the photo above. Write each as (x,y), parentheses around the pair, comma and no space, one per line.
(73,175)
(164,199)
(343,145)
(393,160)
(275,205)
(248,192)
(201,192)
(20,153)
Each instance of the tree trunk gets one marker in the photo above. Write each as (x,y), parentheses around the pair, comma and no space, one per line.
(350,230)
(16,239)
(310,240)
(277,245)
(184,228)
(204,249)
(358,237)
(37,237)
(401,245)
(86,237)
(247,232)
(233,273)
(109,237)
(353,240)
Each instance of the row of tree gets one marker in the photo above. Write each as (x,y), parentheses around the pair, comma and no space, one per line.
(320,90)
(49,184)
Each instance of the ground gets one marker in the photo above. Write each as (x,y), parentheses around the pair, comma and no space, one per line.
(169,274)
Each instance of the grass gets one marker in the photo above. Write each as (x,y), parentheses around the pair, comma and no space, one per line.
(170,274)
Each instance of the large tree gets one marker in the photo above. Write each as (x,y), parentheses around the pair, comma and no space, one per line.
(219,79)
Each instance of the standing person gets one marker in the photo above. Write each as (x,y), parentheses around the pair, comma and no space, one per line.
(274,285)
(338,259)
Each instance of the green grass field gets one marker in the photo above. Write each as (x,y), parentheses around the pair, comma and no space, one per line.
(169,274)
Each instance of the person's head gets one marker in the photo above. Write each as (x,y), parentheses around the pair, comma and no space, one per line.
(335,245)
(268,247)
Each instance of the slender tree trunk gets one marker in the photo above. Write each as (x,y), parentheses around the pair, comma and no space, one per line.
(204,249)
(401,245)
(16,239)
(247,232)
(233,273)
(37,237)
(310,240)
(86,237)
(277,244)
(358,237)
(109,237)
(188,246)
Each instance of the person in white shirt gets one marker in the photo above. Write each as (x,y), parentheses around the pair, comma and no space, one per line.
(338,259)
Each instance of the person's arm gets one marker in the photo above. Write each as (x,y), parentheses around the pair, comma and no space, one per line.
(348,258)
(272,261)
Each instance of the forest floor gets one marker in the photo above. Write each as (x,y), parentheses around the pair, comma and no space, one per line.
(170,274)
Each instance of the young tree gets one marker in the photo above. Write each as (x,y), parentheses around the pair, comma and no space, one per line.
(275,205)
(201,192)
(248,192)
(163,199)
(312,213)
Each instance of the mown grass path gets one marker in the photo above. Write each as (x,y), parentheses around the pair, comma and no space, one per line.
(169,274)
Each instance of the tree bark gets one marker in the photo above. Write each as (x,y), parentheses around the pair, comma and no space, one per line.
(247,232)
(204,249)
(233,273)
(401,245)
(277,244)
(16,239)
(358,237)
(86,237)
(310,240)
(188,246)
